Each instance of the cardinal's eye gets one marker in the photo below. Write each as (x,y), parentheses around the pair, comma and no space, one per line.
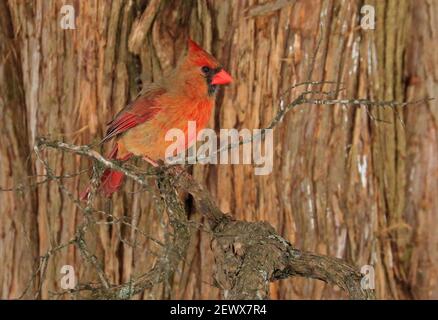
(205,69)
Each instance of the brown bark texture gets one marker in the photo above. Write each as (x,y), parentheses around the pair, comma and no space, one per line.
(348,182)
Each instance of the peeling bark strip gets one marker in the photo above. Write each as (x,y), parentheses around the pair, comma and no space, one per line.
(248,255)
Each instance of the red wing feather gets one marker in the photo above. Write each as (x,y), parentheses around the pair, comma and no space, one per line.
(142,109)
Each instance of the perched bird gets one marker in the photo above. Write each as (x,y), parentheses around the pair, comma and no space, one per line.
(185,94)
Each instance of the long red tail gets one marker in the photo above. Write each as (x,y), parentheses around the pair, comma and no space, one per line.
(111,180)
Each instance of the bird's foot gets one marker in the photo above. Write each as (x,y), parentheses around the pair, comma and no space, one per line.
(152,162)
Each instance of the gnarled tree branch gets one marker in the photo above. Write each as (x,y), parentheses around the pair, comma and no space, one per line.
(248,255)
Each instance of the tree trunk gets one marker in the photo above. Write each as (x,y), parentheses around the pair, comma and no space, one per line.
(344,184)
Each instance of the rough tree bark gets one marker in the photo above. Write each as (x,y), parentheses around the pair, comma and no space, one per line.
(248,255)
(343,185)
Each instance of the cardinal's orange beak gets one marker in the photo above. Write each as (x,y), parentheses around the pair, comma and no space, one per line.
(221,78)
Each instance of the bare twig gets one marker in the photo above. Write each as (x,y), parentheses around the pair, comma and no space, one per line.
(256,253)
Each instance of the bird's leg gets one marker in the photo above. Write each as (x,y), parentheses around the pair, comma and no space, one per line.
(152,162)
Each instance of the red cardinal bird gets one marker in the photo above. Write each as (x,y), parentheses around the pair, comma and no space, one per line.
(186,94)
